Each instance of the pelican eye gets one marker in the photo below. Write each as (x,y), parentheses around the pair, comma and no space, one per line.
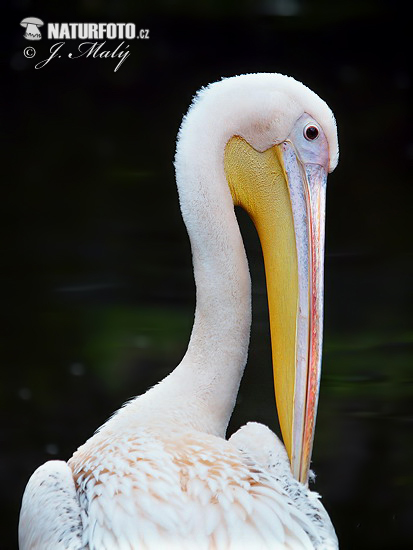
(311,132)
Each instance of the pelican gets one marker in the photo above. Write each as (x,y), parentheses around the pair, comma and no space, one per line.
(159,474)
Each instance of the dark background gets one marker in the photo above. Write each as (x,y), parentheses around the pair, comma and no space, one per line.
(97,288)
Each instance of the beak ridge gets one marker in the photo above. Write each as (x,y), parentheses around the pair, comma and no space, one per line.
(307,186)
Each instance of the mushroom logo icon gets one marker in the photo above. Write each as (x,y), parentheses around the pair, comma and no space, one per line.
(32,25)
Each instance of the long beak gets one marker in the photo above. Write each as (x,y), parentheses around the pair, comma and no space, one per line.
(286,201)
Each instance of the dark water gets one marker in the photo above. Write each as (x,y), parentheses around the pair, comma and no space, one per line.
(97,289)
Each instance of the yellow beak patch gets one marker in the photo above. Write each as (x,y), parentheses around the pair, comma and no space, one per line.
(258,183)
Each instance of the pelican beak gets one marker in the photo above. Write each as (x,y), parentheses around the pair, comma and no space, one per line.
(286,201)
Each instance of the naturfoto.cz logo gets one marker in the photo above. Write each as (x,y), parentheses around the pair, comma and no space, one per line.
(83,31)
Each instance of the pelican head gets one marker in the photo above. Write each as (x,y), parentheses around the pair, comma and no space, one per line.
(271,142)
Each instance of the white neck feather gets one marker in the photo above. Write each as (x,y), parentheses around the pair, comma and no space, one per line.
(201,392)
(217,351)
(205,384)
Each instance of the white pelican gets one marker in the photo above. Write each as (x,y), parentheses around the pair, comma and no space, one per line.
(160,474)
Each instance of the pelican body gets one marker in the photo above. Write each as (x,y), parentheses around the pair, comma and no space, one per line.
(159,474)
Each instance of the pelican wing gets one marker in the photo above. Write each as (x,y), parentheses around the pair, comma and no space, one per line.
(50,516)
(183,489)
(262,446)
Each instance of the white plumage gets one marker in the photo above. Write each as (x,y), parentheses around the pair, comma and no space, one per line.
(160,474)
(173,488)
